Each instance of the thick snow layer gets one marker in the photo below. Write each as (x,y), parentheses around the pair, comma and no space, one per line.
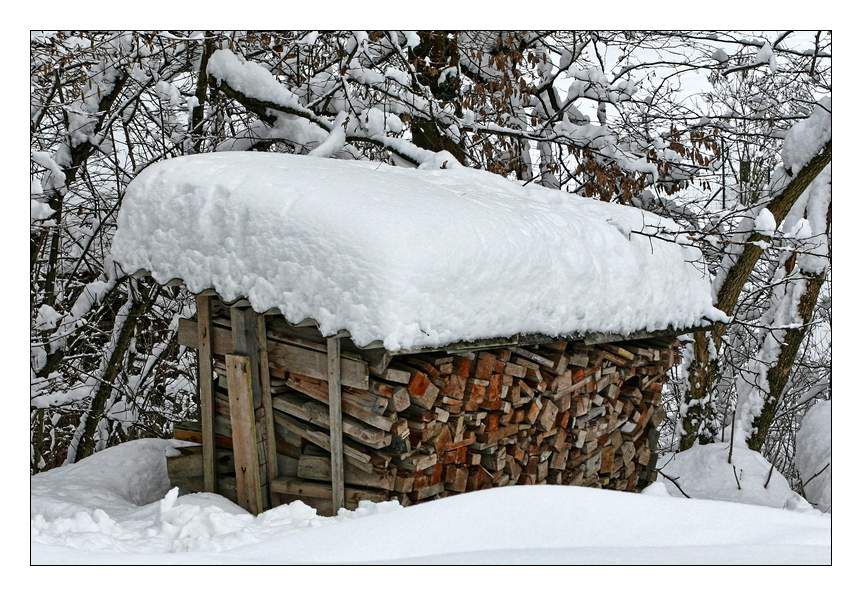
(807,137)
(703,472)
(110,508)
(410,257)
(814,455)
(254,79)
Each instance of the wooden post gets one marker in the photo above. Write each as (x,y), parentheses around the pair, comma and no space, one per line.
(266,396)
(249,492)
(333,353)
(244,328)
(205,390)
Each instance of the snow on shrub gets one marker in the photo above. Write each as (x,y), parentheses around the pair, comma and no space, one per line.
(703,472)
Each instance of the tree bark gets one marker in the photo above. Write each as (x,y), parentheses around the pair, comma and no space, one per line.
(778,375)
(196,124)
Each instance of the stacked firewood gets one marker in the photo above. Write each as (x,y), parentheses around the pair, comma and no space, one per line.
(435,424)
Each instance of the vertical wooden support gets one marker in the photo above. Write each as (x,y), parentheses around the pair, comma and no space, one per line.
(205,390)
(333,354)
(244,329)
(249,492)
(266,396)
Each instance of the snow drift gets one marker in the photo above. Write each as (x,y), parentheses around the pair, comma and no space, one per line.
(97,511)
(411,257)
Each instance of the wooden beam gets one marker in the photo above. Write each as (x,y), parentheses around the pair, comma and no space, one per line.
(289,356)
(336,437)
(319,490)
(319,467)
(266,397)
(244,433)
(205,390)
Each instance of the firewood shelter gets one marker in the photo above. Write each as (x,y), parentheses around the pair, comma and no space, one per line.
(371,332)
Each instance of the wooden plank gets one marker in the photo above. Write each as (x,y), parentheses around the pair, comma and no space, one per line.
(205,389)
(356,404)
(244,329)
(319,415)
(266,397)
(244,431)
(336,437)
(288,357)
(318,467)
(320,490)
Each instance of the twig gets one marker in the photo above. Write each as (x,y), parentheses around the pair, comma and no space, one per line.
(769,476)
(675,483)
(738,485)
(732,437)
(823,469)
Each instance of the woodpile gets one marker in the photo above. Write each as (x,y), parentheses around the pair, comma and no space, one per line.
(427,425)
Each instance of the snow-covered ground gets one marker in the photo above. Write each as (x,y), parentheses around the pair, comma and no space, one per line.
(116,507)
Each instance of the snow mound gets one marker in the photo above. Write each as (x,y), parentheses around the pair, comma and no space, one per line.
(703,472)
(814,454)
(129,474)
(99,511)
(412,257)
(120,500)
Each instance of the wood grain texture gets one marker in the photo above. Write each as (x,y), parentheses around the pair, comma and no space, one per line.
(244,433)
(336,436)
(244,329)
(205,389)
(283,356)
(266,397)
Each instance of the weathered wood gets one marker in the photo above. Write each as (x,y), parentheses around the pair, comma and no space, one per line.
(396,375)
(432,424)
(358,405)
(321,416)
(244,330)
(321,439)
(244,431)
(316,467)
(266,397)
(333,353)
(205,389)
(283,357)
(320,490)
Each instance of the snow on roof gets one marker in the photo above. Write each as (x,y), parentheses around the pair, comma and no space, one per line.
(410,257)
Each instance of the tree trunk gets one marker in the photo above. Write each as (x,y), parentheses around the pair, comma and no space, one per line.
(436,52)
(779,373)
(698,416)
